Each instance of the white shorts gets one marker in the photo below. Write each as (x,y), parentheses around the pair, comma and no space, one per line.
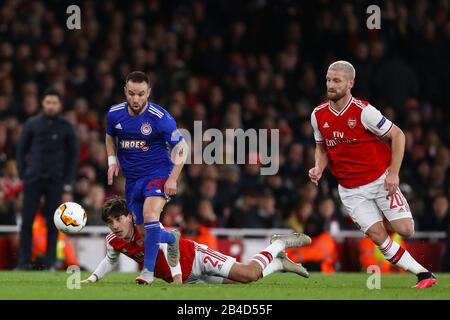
(209,266)
(367,204)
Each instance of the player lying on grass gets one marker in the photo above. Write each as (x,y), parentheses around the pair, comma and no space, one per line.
(198,263)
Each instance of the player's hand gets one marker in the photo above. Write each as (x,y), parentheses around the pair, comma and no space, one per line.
(91,279)
(315,174)
(391,183)
(177,279)
(113,170)
(170,187)
(86,281)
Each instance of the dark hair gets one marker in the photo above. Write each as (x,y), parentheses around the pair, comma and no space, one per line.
(137,76)
(52,92)
(114,208)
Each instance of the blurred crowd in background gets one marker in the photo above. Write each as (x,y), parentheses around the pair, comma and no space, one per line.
(233,64)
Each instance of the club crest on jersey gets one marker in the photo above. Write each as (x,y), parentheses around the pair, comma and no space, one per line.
(146,129)
(351,123)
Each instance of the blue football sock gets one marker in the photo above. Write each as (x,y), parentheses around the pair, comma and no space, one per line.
(152,239)
(167,237)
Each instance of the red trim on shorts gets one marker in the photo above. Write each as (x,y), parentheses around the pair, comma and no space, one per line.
(211,253)
(216,254)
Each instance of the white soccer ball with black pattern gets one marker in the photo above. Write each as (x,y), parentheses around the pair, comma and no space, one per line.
(70,218)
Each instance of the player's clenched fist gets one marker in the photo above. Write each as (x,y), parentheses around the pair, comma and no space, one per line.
(170,187)
(113,170)
(315,174)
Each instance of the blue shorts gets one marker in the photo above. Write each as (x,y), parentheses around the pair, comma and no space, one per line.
(136,191)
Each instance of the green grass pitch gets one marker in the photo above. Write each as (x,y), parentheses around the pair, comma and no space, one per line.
(53,285)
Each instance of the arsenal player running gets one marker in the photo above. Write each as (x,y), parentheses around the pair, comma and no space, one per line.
(348,134)
(198,263)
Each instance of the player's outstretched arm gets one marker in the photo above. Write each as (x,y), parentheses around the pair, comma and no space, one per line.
(321,162)
(177,275)
(113,166)
(104,267)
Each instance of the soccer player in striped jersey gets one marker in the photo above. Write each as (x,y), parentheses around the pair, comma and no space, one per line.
(138,136)
(198,263)
(348,133)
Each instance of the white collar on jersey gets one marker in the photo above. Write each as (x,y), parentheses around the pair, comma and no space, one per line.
(338,113)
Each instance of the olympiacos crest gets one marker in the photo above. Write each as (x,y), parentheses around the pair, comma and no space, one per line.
(146,129)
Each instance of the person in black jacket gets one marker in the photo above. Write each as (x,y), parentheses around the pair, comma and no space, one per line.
(47,157)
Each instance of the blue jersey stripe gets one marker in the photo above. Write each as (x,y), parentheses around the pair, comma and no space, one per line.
(118,105)
(155,110)
(117,109)
(156,114)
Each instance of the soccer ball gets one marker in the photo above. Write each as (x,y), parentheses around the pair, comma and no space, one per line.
(70,217)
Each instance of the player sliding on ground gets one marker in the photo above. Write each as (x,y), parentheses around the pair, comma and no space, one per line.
(348,134)
(198,263)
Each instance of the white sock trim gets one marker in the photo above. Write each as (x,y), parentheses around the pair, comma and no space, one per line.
(389,248)
(274,266)
(392,251)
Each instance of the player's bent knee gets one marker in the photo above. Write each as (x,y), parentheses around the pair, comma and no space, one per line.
(377,233)
(245,279)
(404,227)
(248,274)
(151,216)
(253,275)
(406,230)
(249,278)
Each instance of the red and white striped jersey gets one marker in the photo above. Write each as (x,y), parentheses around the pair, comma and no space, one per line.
(357,156)
(135,250)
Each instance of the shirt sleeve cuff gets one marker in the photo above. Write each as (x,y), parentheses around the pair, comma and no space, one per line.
(392,124)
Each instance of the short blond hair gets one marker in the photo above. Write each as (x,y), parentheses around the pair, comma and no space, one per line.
(345,66)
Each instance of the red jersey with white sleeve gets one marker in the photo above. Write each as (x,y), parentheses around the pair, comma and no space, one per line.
(352,138)
(135,250)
